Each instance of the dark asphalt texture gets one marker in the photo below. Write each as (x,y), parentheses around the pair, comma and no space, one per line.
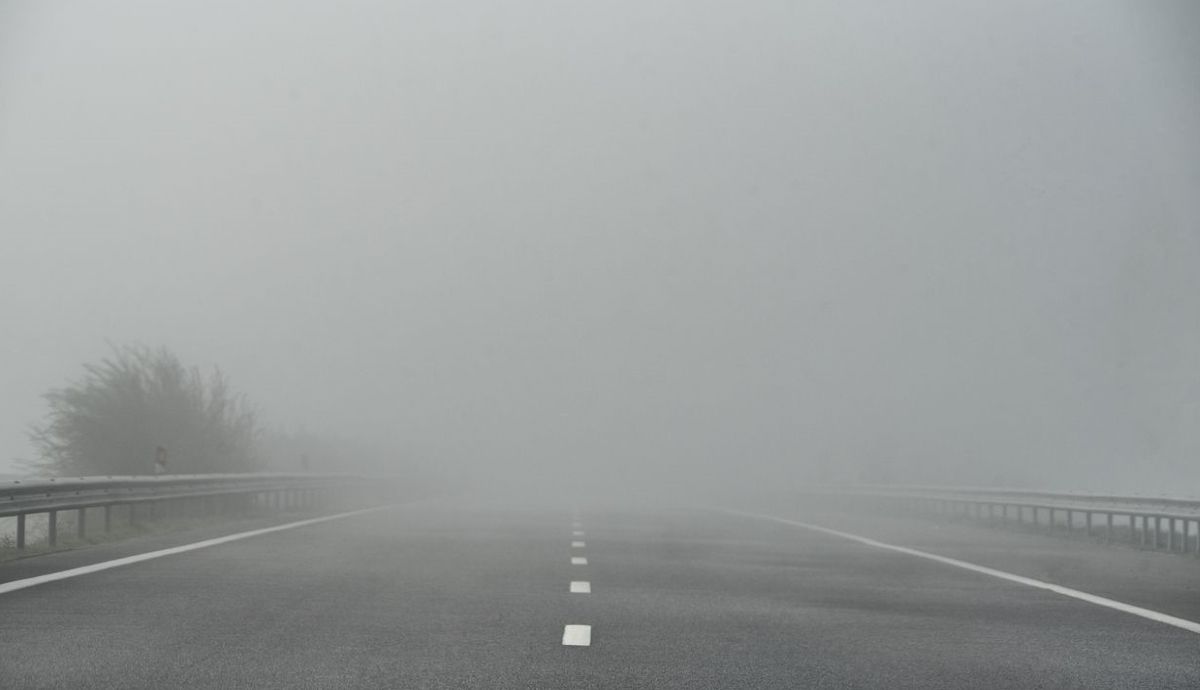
(449,595)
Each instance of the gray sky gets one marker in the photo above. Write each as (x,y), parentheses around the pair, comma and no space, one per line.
(692,240)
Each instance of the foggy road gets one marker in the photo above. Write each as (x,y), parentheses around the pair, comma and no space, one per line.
(599,276)
(446,594)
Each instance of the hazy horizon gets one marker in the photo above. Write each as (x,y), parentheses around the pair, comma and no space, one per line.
(688,245)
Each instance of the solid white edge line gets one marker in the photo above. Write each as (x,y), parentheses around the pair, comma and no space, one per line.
(15,585)
(1155,616)
(578,544)
(578,560)
(577,635)
(581,587)
(577,533)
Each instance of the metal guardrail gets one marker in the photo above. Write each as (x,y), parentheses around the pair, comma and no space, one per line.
(1163,523)
(149,496)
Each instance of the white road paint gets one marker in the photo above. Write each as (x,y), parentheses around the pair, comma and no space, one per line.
(577,635)
(578,560)
(577,533)
(578,544)
(581,587)
(15,585)
(1155,616)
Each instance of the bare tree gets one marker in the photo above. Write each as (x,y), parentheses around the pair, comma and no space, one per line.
(115,418)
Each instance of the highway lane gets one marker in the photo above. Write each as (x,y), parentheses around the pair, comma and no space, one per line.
(454,595)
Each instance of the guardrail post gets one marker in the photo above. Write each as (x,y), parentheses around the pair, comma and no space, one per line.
(52,518)
(81,526)
(1109,531)
(1157,529)
(1088,523)
(1170,534)
(21,531)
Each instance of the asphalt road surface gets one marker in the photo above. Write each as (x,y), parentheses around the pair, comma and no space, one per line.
(453,595)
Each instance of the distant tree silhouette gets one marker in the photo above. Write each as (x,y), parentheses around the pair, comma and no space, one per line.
(115,418)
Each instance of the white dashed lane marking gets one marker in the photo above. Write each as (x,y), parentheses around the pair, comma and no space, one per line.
(577,635)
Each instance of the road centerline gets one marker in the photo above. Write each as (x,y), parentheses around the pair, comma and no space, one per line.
(577,636)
